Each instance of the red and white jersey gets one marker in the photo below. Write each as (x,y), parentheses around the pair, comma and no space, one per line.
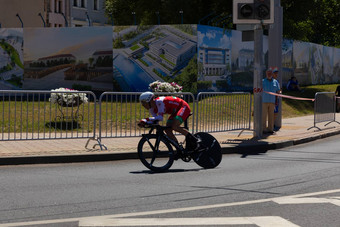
(168,105)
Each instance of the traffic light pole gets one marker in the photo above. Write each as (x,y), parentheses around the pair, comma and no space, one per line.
(258,72)
(275,51)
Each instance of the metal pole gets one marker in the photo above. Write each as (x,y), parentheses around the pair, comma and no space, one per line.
(275,50)
(258,62)
(181,12)
(66,23)
(22,24)
(158,19)
(88,18)
(134,18)
(39,14)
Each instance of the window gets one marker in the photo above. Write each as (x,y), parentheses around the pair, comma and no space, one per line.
(96,4)
(83,4)
(75,2)
(59,7)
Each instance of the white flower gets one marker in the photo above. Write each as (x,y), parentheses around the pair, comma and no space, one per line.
(67,99)
(165,87)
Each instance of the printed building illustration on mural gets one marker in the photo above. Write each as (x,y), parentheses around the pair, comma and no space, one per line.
(101,58)
(81,62)
(144,54)
(55,60)
(216,61)
(11,58)
(173,52)
(245,59)
(129,58)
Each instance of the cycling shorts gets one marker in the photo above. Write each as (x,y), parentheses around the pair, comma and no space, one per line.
(182,114)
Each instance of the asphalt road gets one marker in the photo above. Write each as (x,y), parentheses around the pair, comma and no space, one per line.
(295,186)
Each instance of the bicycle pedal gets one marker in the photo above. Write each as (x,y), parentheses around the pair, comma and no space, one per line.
(186,158)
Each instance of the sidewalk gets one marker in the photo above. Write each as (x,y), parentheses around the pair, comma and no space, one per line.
(293,131)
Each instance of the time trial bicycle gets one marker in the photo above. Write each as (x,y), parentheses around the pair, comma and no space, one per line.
(158,152)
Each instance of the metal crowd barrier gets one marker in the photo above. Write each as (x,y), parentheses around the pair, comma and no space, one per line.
(221,111)
(31,115)
(120,113)
(324,108)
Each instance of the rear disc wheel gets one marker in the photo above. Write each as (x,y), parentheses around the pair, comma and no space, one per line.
(209,154)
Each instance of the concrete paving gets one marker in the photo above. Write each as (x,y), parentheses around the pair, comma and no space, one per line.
(293,131)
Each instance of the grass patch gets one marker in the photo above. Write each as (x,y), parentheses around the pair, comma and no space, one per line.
(135,47)
(123,116)
(297,108)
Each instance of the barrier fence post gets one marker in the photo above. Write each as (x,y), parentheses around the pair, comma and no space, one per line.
(324,108)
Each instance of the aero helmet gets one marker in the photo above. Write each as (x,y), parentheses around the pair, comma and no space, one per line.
(146,96)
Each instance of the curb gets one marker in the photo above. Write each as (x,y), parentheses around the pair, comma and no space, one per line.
(243,149)
(77,158)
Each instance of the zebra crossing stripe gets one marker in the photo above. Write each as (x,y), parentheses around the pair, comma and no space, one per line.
(265,221)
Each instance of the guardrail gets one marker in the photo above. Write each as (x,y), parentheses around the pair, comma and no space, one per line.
(32,115)
(120,113)
(324,108)
(220,111)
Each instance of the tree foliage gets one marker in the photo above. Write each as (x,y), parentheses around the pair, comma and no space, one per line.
(314,21)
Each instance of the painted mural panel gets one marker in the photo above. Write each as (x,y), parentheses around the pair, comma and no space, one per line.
(287,60)
(336,65)
(214,58)
(243,61)
(301,62)
(327,59)
(11,58)
(144,54)
(316,53)
(78,58)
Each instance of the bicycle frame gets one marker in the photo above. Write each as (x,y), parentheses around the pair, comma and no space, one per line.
(160,133)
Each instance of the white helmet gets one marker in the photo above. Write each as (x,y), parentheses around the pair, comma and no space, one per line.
(146,96)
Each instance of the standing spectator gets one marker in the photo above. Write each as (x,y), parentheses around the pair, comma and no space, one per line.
(293,84)
(268,101)
(277,100)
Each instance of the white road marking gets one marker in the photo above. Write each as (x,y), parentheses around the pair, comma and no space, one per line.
(175,210)
(265,221)
(309,200)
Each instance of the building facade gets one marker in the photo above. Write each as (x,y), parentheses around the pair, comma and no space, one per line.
(88,13)
(216,61)
(58,13)
(173,52)
(52,13)
(245,59)
(19,13)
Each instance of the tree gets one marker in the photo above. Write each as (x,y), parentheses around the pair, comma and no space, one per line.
(188,78)
(314,21)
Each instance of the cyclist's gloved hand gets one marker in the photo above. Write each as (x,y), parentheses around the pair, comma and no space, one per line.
(142,123)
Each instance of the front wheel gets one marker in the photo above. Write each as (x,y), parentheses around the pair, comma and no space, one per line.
(155,153)
(209,154)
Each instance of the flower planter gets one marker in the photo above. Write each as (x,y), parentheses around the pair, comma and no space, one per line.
(74,103)
(68,103)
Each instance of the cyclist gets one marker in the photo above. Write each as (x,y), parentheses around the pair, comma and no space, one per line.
(179,111)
